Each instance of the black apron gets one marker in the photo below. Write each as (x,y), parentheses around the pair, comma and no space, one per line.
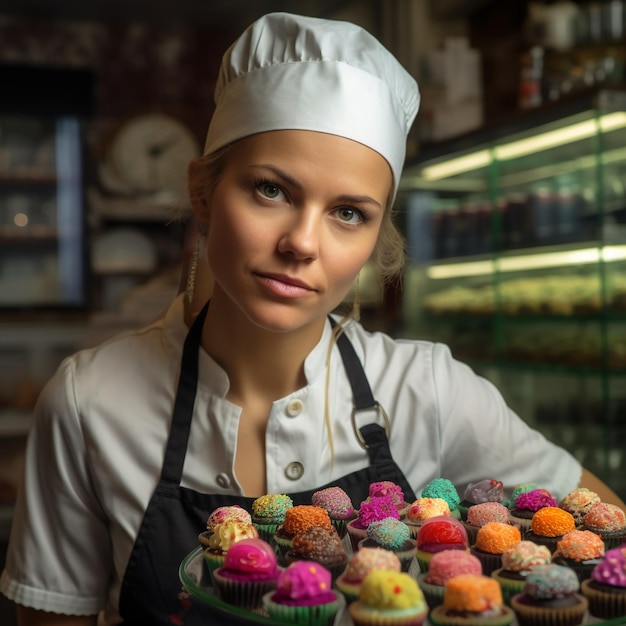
(151,590)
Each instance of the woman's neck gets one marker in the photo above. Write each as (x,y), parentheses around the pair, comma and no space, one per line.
(258,362)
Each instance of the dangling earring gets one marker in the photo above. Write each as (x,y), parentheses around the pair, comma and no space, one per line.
(356,303)
(191,275)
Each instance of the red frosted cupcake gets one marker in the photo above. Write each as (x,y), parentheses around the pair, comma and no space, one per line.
(422,509)
(581,550)
(371,510)
(548,525)
(492,540)
(442,567)
(517,562)
(606,587)
(472,600)
(480,514)
(527,504)
(608,521)
(303,595)
(438,534)
(249,571)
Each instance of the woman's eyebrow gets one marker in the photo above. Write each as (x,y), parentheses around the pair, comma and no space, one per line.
(347,198)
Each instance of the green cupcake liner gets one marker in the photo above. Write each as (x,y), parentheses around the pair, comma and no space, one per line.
(317,615)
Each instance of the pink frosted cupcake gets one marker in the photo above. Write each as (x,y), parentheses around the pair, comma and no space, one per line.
(606,587)
(608,521)
(219,516)
(249,571)
(387,488)
(421,510)
(443,566)
(338,505)
(303,595)
(581,550)
(479,514)
(527,504)
(578,502)
(438,534)
(360,565)
(517,561)
(393,535)
(486,490)
(371,510)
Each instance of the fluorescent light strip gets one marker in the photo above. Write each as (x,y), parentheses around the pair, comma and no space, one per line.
(545,260)
(537,143)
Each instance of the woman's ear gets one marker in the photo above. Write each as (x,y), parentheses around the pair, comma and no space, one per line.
(198,188)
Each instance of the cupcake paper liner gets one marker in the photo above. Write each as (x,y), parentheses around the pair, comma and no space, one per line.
(242,593)
(364,616)
(605,602)
(509,586)
(531,615)
(439,617)
(433,594)
(316,615)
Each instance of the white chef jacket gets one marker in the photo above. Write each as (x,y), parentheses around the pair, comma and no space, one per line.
(101,424)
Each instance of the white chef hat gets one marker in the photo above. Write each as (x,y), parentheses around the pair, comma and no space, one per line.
(303,73)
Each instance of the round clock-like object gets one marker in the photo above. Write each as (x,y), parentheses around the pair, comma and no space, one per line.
(151,152)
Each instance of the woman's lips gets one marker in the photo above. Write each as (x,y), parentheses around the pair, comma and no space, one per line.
(285,286)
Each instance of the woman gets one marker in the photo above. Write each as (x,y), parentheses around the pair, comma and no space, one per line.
(138,440)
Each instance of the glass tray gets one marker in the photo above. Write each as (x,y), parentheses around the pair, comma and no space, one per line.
(195,578)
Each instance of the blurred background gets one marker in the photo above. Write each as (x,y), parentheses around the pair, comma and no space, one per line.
(512,203)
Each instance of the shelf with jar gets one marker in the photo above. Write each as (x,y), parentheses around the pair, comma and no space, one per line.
(517,260)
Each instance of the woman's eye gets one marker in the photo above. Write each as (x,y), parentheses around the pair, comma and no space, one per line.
(349,215)
(269,190)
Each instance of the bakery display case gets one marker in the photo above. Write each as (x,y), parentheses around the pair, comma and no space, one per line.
(517,260)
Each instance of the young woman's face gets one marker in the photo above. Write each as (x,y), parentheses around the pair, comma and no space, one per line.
(292,220)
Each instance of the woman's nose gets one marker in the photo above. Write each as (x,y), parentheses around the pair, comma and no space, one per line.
(301,237)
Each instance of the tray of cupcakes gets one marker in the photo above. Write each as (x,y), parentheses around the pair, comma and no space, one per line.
(441,560)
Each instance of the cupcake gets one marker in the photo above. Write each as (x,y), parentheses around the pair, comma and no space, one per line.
(360,565)
(608,521)
(492,540)
(438,534)
(249,571)
(445,489)
(392,490)
(303,595)
(393,535)
(517,561)
(527,504)
(519,489)
(472,600)
(223,537)
(298,519)
(219,516)
(606,587)
(321,545)
(578,502)
(480,514)
(268,513)
(443,566)
(581,550)
(389,599)
(421,510)
(371,510)
(338,505)
(486,490)
(548,525)
(550,598)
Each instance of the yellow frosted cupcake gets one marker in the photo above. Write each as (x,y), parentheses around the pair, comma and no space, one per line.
(389,599)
